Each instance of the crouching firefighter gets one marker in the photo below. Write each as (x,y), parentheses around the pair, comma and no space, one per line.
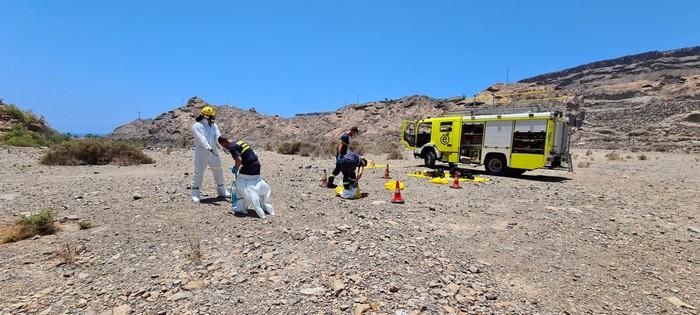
(205,133)
(349,163)
(251,188)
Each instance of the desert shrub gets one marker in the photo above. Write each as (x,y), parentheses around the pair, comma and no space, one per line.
(195,253)
(40,223)
(95,152)
(395,155)
(613,156)
(288,147)
(357,147)
(642,157)
(297,147)
(584,164)
(306,149)
(85,224)
(21,137)
(589,153)
(67,253)
(326,149)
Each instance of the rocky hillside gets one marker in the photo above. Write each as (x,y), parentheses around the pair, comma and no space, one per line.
(650,100)
(645,101)
(24,129)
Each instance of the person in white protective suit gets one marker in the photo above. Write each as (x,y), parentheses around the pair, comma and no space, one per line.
(251,188)
(205,134)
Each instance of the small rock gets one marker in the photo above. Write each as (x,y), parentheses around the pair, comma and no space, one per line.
(298,236)
(452,289)
(193,285)
(137,196)
(338,285)
(180,295)
(693,229)
(312,291)
(377,202)
(71,217)
(678,303)
(474,269)
(448,309)
(267,256)
(393,288)
(360,309)
(491,296)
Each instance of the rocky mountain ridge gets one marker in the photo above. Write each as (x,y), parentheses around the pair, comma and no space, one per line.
(644,101)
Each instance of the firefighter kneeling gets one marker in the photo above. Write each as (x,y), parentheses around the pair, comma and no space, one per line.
(348,164)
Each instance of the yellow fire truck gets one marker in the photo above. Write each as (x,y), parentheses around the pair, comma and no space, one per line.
(505,143)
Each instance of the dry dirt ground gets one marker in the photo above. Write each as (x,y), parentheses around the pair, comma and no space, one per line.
(615,237)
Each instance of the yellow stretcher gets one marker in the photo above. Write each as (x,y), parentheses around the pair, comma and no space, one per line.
(446,179)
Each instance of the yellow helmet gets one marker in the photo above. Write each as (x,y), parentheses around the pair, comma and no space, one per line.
(208,112)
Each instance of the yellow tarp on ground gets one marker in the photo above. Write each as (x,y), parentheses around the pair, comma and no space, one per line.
(391,185)
(446,179)
(372,164)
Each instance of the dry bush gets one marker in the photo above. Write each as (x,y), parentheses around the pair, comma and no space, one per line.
(85,224)
(589,153)
(306,149)
(357,147)
(326,149)
(395,155)
(584,164)
(288,147)
(642,157)
(68,253)
(40,223)
(302,148)
(95,152)
(613,156)
(195,254)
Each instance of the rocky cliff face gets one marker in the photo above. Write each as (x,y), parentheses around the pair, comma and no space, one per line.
(645,101)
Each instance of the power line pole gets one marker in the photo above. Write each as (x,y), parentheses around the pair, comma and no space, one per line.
(507,72)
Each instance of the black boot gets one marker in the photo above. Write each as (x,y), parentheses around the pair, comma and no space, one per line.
(330,182)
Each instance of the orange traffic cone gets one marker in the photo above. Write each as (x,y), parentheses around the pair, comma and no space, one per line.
(386,172)
(324,179)
(455,184)
(397,194)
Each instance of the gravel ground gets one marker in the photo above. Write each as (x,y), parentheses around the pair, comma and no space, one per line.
(614,237)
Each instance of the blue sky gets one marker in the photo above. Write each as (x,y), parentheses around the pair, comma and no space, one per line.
(90,66)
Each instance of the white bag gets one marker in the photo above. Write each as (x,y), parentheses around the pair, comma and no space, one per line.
(256,192)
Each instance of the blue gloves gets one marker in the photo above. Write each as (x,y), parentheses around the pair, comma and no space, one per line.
(234,170)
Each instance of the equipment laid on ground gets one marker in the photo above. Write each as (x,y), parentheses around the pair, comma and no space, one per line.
(443,178)
(510,141)
(397,194)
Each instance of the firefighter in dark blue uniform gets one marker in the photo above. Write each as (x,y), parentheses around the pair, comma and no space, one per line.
(249,185)
(341,150)
(348,164)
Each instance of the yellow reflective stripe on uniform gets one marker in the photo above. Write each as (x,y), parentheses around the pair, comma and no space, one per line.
(244,145)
